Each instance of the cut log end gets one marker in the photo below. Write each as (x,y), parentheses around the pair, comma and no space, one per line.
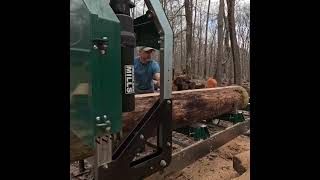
(241,162)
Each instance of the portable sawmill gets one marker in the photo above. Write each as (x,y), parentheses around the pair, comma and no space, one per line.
(103,38)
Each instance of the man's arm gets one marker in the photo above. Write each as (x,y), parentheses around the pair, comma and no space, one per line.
(157,78)
(156,73)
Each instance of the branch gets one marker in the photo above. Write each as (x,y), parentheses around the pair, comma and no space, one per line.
(178,10)
(176,35)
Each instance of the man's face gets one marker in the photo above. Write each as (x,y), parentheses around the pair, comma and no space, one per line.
(146,55)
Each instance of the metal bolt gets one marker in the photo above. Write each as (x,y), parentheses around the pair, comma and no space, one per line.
(98,118)
(151,167)
(104,37)
(95,47)
(168,144)
(168,101)
(163,163)
(141,136)
(105,116)
(101,124)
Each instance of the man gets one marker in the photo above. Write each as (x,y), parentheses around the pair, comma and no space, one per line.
(146,72)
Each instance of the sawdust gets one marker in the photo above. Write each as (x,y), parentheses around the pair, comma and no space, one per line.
(216,165)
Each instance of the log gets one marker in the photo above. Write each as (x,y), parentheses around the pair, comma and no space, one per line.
(184,82)
(188,106)
(191,105)
(241,162)
(244,176)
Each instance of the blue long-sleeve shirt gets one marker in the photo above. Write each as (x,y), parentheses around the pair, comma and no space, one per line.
(143,74)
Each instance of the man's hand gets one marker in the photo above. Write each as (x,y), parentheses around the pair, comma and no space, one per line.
(156,77)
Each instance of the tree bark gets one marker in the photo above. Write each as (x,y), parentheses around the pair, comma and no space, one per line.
(205,45)
(191,105)
(219,59)
(234,44)
(188,11)
(194,49)
(200,43)
(181,44)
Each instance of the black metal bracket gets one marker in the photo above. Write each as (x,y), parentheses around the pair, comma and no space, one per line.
(146,31)
(159,118)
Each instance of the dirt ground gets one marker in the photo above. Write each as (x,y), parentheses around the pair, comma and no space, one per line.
(216,165)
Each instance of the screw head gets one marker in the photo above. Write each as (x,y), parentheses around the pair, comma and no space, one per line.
(163,163)
(141,136)
(98,118)
(168,101)
(105,116)
(168,144)
(104,37)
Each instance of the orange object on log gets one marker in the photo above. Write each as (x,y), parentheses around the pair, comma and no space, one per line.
(211,83)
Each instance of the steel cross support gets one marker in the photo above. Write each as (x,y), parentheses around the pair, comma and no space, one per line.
(123,166)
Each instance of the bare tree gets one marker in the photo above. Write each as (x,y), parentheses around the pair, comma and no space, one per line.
(144,5)
(218,75)
(212,52)
(234,44)
(188,12)
(194,49)
(202,37)
(205,45)
(133,9)
(200,41)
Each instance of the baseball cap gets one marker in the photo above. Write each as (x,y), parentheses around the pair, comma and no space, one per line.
(144,48)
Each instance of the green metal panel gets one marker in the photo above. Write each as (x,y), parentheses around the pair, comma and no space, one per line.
(91,20)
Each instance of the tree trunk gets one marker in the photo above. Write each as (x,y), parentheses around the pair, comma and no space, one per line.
(144,5)
(234,44)
(200,43)
(133,10)
(181,44)
(206,42)
(194,49)
(211,57)
(219,59)
(191,105)
(188,11)
(187,107)
(226,39)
